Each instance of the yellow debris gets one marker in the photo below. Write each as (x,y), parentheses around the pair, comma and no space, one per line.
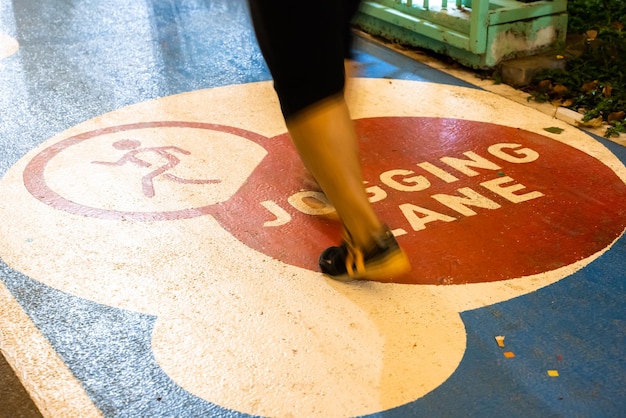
(500,340)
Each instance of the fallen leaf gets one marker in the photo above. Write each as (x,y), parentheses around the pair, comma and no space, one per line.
(592,123)
(615,116)
(557,102)
(500,340)
(592,34)
(607,90)
(553,130)
(545,84)
(590,85)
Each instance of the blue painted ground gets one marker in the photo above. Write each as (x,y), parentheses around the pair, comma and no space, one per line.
(80,59)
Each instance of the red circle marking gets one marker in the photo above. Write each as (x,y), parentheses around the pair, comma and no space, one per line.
(529,214)
(581,209)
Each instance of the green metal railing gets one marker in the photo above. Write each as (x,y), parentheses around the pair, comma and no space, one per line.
(479,33)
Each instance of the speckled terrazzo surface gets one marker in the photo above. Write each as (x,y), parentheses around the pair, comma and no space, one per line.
(204,300)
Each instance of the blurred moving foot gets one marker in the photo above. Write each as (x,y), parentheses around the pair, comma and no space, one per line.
(381,261)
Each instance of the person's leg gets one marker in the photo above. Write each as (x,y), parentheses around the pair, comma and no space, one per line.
(326,141)
(304,48)
(327,144)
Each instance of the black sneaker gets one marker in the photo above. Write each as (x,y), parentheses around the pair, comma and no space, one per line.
(383,260)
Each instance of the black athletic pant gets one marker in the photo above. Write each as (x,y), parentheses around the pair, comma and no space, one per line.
(304,44)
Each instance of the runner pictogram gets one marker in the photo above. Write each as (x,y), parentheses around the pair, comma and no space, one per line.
(114,185)
(166,152)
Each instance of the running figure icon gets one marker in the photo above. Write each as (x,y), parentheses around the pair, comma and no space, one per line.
(147,181)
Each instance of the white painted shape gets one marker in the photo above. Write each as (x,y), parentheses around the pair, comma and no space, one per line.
(8,46)
(282,217)
(298,201)
(195,276)
(315,348)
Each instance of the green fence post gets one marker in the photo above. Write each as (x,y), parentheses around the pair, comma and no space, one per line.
(479,22)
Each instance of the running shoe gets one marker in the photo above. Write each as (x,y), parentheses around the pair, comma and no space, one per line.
(381,261)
